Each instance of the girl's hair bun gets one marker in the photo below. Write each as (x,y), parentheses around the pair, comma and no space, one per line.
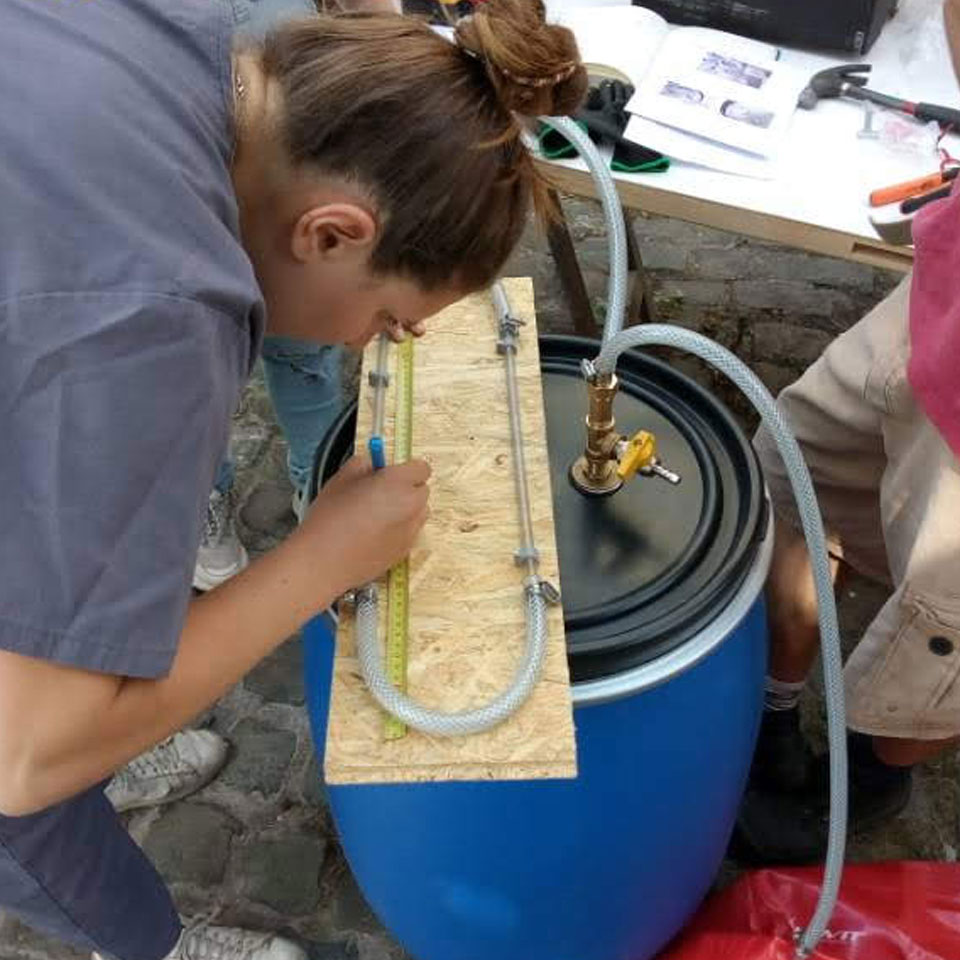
(534,66)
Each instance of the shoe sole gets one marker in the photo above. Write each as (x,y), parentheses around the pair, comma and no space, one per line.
(205,580)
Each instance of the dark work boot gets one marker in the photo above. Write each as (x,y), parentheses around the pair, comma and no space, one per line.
(783,761)
(878,791)
(776,827)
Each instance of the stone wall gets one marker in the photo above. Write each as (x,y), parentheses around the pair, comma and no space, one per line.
(776,307)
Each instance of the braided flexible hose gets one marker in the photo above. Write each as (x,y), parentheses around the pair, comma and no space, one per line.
(433,722)
(763,402)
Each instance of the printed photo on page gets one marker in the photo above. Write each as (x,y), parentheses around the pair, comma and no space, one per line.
(729,95)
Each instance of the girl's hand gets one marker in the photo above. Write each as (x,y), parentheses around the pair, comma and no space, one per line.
(368,520)
(397,330)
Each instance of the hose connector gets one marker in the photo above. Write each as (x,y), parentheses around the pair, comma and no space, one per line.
(595,472)
(609,458)
(536,586)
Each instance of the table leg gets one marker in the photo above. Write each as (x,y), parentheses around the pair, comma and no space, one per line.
(640,304)
(571,279)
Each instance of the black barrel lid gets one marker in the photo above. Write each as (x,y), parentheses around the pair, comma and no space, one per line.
(645,569)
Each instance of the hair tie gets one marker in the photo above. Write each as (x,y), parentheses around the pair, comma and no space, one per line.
(459,42)
(568,71)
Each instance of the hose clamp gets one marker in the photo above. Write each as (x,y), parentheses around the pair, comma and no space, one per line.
(365,594)
(509,330)
(538,587)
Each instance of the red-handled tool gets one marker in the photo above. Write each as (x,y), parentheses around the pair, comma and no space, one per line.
(850,81)
(912,188)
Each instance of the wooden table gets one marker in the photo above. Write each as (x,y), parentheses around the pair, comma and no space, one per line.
(818,200)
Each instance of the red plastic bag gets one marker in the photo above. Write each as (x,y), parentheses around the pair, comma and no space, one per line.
(887,911)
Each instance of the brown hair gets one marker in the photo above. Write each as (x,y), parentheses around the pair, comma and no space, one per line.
(429,127)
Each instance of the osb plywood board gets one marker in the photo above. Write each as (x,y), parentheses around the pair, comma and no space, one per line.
(467,606)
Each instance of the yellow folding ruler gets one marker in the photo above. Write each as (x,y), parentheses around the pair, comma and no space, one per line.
(398,579)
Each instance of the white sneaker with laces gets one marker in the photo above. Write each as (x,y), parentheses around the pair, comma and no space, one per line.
(203,941)
(221,554)
(178,766)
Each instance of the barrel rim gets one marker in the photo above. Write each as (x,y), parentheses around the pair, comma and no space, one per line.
(668,666)
(634,631)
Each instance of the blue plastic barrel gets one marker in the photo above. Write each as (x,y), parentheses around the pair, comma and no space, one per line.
(667,646)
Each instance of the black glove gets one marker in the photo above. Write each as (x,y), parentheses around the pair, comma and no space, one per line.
(604,117)
(605,112)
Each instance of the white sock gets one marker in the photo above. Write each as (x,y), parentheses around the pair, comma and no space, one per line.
(781,694)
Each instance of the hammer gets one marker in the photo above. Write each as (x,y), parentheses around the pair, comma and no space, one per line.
(850,81)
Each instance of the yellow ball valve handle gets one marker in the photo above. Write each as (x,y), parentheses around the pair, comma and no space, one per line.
(640,453)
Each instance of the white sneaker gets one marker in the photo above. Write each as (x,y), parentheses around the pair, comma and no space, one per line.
(174,768)
(203,941)
(221,554)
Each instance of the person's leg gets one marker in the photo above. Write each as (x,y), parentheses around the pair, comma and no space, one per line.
(783,761)
(305,385)
(839,428)
(221,555)
(903,680)
(73,872)
(838,411)
(792,607)
(908,752)
(226,474)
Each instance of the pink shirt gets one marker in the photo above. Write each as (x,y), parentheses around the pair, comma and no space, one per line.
(934,368)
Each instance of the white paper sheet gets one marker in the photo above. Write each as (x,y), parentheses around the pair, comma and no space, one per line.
(720,90)
(698,151)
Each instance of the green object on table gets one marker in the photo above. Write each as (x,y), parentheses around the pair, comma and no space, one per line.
(604,119)
(656,164)
(627,157)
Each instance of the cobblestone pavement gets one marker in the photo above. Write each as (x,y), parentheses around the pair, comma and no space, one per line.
(256,847)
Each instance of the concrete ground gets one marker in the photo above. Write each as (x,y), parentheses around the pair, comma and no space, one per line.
(256,847)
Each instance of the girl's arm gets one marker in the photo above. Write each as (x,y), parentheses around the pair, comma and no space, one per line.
(63,729)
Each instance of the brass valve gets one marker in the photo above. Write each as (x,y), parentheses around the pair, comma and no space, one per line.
(609,458)
(595,472)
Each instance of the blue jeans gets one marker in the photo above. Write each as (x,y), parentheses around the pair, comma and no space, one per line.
(304,383)
(254,17)
(303,378)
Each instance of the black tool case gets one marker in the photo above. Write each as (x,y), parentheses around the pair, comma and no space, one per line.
(843,25)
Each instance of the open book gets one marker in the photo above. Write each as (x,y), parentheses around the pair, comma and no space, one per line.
(702,95)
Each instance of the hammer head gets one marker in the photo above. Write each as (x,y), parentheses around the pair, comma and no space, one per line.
(833,82)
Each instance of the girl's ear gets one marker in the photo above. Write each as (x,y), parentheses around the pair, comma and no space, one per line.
(333,231)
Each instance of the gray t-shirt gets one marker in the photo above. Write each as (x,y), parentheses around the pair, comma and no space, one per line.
(129,319)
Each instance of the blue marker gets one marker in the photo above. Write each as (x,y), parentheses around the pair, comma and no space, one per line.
(376,452)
